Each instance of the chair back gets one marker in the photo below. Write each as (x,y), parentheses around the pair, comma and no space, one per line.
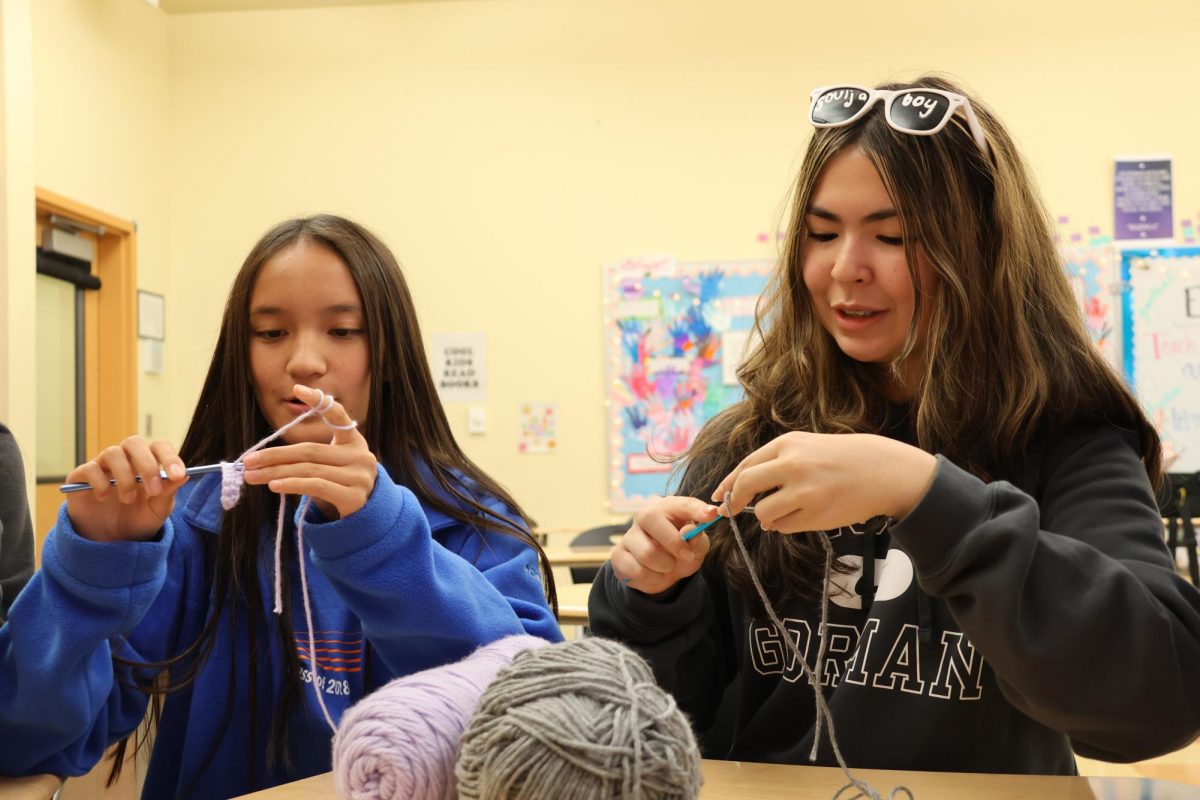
(600,536)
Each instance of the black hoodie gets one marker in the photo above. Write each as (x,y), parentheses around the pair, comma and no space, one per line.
(1008,622)
(16,529)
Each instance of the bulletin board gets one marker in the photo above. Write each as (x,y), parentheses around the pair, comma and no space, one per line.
(674,336)
(1161,352)
(1095,276)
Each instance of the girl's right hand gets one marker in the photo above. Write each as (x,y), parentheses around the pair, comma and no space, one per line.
(652,555)
(128,511)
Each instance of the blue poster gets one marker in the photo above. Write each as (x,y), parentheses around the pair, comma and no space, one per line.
(1094,275)
(674,335)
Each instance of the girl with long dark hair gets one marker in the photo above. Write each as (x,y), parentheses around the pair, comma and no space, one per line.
(151,591)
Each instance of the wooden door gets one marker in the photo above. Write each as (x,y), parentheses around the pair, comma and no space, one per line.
(109,375)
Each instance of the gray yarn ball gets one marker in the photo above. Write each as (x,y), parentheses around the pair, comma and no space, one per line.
(582,720)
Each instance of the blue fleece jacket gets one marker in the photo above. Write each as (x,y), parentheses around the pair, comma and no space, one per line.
(422,588)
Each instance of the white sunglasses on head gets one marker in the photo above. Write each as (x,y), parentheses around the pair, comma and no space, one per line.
(919,111)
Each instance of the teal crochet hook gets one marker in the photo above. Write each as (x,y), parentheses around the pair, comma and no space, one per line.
(694,532)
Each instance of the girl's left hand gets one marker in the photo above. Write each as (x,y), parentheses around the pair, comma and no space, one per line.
(823,481)
(339,477)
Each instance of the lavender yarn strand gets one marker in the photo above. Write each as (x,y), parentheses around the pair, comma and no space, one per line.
(402,740)
(232,478)
(231,473)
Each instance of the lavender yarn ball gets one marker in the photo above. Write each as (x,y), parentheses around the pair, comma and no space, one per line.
(401,741)
(583,720)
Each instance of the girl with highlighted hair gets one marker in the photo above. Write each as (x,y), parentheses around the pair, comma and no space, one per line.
(924,405)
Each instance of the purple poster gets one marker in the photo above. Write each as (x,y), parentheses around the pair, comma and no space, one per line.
(1142,199)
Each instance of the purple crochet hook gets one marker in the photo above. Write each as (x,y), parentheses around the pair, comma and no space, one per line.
(83,487)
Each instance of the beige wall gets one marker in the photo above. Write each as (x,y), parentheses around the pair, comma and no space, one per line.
(507,149)
(101,100)
(17,366)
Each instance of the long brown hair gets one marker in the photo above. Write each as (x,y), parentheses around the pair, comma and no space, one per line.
(406,429)
(1004,354)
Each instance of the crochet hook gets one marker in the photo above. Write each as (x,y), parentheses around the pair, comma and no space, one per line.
(83,487)
(694,532)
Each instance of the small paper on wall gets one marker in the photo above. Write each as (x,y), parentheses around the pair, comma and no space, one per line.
(1142,200)
(459,363)
(538,428)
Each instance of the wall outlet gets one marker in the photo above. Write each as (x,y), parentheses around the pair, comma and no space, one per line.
(476,420)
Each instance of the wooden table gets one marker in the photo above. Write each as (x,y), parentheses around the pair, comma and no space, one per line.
(577,556)
(737,780)
(572,597)
(572,603)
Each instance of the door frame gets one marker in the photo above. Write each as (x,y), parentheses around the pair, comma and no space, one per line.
(110,337)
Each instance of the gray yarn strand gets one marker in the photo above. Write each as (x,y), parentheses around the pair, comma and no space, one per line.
(861,787)
(582,719)
(814,678)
